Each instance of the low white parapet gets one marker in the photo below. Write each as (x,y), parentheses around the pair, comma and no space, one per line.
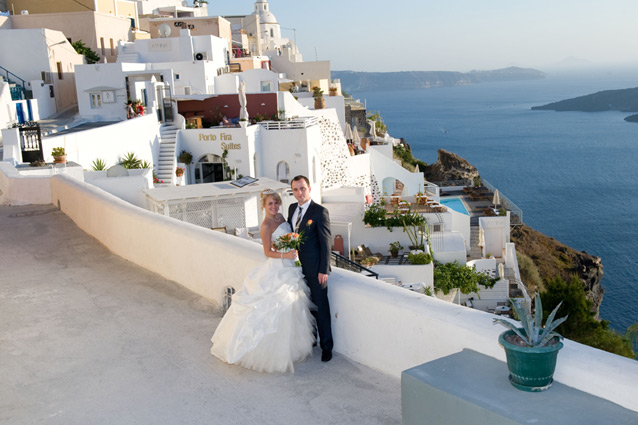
(376,324)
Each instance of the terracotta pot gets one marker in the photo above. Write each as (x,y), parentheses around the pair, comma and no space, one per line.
(59,159)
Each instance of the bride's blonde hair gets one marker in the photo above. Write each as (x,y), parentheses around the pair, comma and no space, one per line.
(269,193)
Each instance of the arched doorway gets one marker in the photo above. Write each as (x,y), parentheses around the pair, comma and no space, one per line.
(392,186)
(283,172)
(210,168)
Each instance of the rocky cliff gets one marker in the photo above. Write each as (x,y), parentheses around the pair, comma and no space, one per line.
(551,257)
(449,166)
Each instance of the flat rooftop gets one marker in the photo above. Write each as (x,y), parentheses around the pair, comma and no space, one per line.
(87,337)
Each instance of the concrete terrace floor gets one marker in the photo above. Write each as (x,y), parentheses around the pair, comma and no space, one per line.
(87,337)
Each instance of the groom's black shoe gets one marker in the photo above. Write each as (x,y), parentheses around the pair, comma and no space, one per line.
(326,355)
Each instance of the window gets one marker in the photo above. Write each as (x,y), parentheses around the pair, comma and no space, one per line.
(265,86)
(96,101)
(60,73)
(112,48)
(102,45)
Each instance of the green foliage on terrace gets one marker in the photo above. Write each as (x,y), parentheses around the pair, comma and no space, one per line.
(454,275)
(408,161)
(82,49)
(581,326)
(379,125)
(376,216)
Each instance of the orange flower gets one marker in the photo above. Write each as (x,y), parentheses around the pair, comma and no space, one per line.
(309,222)
(295,235)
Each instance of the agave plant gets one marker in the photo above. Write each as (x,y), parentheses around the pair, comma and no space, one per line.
(130,161)
(532,332)
(99,164)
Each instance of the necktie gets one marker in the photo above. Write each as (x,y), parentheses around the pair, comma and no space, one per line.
(298,222)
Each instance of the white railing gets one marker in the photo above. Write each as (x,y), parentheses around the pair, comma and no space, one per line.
(296,123)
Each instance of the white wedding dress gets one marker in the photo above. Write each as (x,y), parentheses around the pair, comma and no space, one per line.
(268,326)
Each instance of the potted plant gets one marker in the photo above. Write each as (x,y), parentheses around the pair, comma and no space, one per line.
(333,91)
(531,349)
(179,171)
(317,94)
(394,249)
(59,155)
(185,157)
(369,261)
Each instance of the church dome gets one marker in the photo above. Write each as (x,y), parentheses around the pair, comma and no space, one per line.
(263,10)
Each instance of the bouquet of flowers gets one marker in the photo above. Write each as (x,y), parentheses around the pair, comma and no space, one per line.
(288,242)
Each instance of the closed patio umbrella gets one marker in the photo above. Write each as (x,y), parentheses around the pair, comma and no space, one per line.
(348,133)
(243,112)
(481,241)
(356,140)
(497,198)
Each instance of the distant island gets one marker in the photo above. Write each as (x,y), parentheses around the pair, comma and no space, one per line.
(624,100)
(354,80)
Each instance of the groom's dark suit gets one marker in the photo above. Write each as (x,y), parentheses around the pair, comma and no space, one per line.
(314,255)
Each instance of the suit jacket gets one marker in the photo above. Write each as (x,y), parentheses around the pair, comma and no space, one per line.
(314,252)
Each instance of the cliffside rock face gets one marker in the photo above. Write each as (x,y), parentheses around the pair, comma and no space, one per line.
(450,166)
(554,258)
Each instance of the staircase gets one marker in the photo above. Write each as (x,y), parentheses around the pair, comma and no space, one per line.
(165,167)
(128,54)
(475,250)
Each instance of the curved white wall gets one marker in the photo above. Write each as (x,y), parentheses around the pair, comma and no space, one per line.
(384,327)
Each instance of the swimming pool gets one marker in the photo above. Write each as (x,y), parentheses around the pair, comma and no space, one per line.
(456,204)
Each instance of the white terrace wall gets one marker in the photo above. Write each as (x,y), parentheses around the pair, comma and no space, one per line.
(141,136)
(194,257)
(379,325)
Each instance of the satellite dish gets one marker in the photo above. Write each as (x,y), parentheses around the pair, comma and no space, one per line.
(164,30)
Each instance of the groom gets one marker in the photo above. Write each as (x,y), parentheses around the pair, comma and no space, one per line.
(313,220)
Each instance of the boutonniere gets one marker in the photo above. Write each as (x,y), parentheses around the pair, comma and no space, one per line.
(308,223)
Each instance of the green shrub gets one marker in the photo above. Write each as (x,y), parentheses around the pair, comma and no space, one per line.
(454,275)
(582,326)
(418,258)
(529,273)
(375,216)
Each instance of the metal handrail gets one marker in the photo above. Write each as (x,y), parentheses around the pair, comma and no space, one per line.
(347,264)
(9,72)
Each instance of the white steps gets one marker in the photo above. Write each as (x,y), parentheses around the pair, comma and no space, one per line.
(165,166)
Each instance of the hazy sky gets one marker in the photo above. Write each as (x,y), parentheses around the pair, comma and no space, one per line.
(454,35)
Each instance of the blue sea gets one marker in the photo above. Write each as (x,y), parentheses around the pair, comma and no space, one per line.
(574,174)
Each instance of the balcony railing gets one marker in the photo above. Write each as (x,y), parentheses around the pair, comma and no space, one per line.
(516,217)
(344,263)
(292,124)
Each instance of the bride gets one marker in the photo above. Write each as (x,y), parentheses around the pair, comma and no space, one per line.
(268,326)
